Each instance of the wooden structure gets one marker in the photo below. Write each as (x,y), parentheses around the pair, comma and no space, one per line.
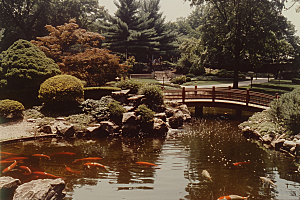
(220,97)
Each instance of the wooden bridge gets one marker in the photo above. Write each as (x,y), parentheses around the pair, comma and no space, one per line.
(220,97)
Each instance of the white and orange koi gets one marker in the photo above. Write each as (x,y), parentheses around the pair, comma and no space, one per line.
(206,174)
(26,169)
(232,197)
(265,179)
(10,167)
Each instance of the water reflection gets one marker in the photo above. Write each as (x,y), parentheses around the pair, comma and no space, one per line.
(212,145)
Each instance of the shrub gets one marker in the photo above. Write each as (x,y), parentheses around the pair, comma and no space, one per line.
(11,109)
(116,111)
(198,70)
(146,114)
(286,110)
(188,79)
(179,80)
(134,86)
(23,68)
(153,95)
(61,89)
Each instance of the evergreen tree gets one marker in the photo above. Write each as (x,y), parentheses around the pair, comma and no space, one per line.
(128,31)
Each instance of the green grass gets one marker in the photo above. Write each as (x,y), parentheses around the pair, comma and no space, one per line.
(192,83)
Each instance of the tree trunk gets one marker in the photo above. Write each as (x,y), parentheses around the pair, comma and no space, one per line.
(236,74)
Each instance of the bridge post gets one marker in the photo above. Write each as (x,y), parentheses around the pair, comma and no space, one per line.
(247,97)
(199,111)
(195,90)
(183,94)
(213,94)
(229,92)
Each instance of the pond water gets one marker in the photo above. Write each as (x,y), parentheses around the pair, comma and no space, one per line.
(212,145)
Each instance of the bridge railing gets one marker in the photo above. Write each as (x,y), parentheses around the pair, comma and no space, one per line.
(213,93)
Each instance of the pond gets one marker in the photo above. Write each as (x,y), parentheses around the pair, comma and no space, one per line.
(212,145)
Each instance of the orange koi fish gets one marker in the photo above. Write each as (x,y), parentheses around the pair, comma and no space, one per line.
(241,163)
(26,169)
(85,159)
(63,153)
(17,158)
(44,174)
(70,170)
(9,168)
(232,197)
(6,161)
(41,155)
(147,164)
(7,153)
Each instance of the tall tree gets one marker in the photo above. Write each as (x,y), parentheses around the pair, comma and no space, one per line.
(128,30)
(237,30)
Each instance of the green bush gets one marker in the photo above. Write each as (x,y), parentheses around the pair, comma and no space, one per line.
(146,114)
(134,86)
(286,110)
(153,95)
(179,80)
(61,89)
(24,67)
(11,109)
(116,111)
(198,70)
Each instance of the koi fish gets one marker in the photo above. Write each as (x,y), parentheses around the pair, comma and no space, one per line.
(7,153)
(6,161)
(26,169)
(206,174)
(9,168)
(45,174)
(89,158)
(70,170)
(41,155)
(232,197)
(265,179)
(241,163)
(17,158)
(147,164)
(94,165)
(63,153)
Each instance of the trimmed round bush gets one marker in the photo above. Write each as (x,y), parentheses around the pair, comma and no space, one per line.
(11,109)
(153,95)
(134,86)
(179,80)
(61,89)
(116,111)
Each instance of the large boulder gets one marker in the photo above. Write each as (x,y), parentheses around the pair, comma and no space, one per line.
(108,128)
(66,130)
(187,114)
(130,129)
(176,120)
(160,127)
(162,116)
(41,189)
(8,186)
(129,118)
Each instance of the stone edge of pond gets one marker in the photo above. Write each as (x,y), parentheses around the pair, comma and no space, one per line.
(27,138)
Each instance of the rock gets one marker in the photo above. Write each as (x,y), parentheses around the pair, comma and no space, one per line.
(297,136)
(160,127)
(130,129)
(47,129)
(128,108)
(287,145)
(170,112)
(107,128)
(8,186)
(136,97)
(267,138)
(162,116)
(31,120)
(278,144)
(184,109)
(176,120)
(41,189)
(92,131)
(65,130)
(251,134)
(129,118)
(60,119)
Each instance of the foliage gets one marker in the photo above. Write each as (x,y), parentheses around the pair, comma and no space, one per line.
(97,108)
(133,85)
(153,94)
(179,80)
(235,34)
(11,109)
(146,114)
(198,70)
(223,73)
(61,90)
(116,111)
(26,18)
(23,68)
(286,110)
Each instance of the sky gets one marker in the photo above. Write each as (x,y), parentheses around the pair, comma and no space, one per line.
(173,9)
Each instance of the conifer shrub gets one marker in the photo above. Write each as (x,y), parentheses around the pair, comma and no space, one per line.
(286,110)
(133,85)
(153,95)
(146,114)
(61,90)
(23,68)
(179,80)
(116,111)
(11,109)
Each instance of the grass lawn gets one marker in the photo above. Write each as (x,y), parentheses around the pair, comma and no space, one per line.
(205,83)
